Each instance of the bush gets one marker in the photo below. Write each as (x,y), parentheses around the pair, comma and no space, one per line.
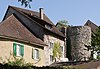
(7,66)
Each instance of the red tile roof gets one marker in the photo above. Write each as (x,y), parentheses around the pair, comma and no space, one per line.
(13,28)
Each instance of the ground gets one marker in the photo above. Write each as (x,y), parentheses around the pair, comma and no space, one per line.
(89,65)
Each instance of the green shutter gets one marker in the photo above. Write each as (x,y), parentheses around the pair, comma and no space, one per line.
(14,49)
(22,50)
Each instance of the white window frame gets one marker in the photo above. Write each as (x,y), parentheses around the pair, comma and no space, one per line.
(35,53)
(51,58)
(62,50)
(51,44)
(18,50)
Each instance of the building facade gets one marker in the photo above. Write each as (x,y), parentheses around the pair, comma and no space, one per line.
(35,28)
(30,53)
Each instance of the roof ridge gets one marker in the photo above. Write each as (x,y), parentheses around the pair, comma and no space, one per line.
(22,8)
(89,21)
(31,11)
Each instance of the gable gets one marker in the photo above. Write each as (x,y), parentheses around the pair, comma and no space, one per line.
(30,24)
(13,28)
(91,25)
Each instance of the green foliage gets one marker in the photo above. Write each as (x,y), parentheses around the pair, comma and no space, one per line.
(6,66)
(72,68)
(26,3)
(17,61)
(95,46)
(62,23)
(98,57)
(56,50)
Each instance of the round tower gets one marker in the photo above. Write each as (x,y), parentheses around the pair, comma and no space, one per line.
(78,41)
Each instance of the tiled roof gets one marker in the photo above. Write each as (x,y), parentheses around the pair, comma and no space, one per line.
(91,25)
(35,16)
(13,28)
(33,13)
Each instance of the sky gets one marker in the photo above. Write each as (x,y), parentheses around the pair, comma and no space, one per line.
(76,12)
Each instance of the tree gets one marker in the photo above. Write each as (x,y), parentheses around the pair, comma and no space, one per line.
(62,23)
(95,43)
(56,51)
(26,3)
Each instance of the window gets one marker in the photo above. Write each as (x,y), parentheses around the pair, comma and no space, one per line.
(61,48)
(62,51)
(18,49)
(48,26)
(51,58)
(35,53)
(51,44)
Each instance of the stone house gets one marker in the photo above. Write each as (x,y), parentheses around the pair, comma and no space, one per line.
(34,30)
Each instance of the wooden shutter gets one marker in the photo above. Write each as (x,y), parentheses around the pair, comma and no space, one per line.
(14,49)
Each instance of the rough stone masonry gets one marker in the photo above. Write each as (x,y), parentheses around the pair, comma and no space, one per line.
(78,37)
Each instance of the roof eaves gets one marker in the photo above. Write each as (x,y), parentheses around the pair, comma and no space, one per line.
(21,40)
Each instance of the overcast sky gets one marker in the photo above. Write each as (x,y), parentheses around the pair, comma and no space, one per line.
(76,12)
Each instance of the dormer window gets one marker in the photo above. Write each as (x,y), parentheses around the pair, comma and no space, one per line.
(36,16)
(48,26)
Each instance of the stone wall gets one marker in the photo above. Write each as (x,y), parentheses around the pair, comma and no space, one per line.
(48,50)
(77,38)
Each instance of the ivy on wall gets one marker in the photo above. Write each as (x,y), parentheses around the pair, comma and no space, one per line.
(56,51)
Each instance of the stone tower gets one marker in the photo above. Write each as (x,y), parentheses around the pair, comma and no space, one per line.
(78,37)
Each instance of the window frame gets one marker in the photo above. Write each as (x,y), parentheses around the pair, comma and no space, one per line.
(62,49)
(15,49)
(51,44)
(48,26)
(35,54)
(51,58)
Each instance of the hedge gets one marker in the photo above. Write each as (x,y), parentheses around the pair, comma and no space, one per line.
(7,66)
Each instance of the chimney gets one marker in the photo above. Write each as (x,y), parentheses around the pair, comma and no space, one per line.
(41,13)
